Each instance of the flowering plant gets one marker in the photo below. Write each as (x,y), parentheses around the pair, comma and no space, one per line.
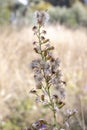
(48,77)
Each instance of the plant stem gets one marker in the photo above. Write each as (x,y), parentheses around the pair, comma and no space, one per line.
(47,88)
(83,121)
(53,109)
(39,38)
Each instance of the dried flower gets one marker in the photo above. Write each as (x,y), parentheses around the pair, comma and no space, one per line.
(40,125)
(47,73)
(35,64)
(38,78)
(41,17)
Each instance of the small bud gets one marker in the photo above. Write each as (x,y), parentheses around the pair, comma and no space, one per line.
(42,38)
(60,104)
(42,97)
(34,28)
(52,59)
(45,53)
(35,49)
(44,32)
(63,82)
(33,91)
(34,42)
(42,121)
(49,57)
(55,96)
(39,86)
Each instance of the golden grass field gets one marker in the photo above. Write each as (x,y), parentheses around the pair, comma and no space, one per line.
(16,54)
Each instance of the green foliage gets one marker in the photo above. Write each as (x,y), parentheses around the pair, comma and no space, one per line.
(80,13)
(18,117)
(76,15)
(4,15)
(67,3)
(41,6)
(71,17)
(4,11)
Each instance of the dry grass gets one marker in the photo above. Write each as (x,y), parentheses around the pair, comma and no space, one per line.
(16,54)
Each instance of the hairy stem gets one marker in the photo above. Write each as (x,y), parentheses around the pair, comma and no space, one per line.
(47,88)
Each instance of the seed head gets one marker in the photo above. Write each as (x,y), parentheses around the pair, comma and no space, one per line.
(41,17)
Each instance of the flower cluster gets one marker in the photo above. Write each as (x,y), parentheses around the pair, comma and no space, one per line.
(47,74)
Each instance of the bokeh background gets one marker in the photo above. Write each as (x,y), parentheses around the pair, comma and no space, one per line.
(67,30)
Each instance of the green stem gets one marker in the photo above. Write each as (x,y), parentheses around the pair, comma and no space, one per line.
(47,88)
(39,38)
(53,109)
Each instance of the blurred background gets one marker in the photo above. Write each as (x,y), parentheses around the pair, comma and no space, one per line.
(67,30)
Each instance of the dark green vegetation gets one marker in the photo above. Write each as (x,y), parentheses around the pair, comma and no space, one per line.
(72,13)
(67,3)
(71,17)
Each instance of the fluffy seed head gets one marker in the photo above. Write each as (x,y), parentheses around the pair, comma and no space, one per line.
(41,17)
